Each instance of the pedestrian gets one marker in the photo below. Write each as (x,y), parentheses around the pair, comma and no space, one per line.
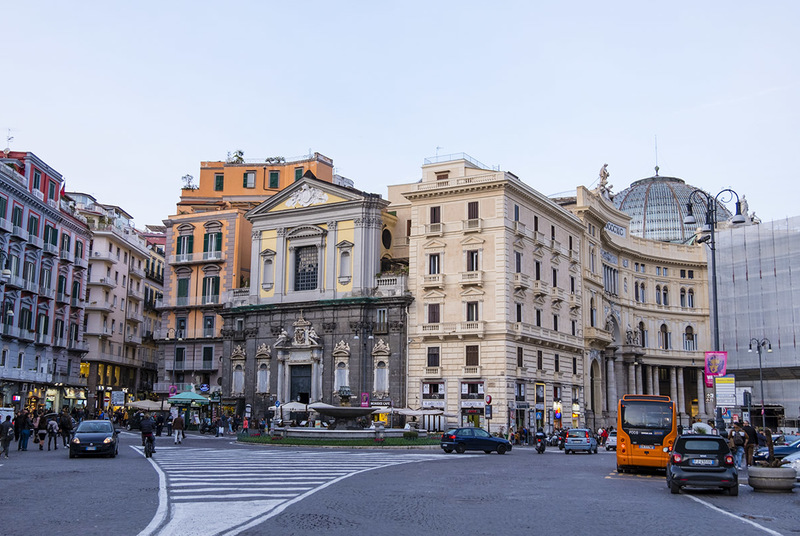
(41,430)
(65,425)
(6,435)
(23,422)
(736,441)
(52,433)
(752,441)
(246,426)
(159,424)
(220,424)
(177,429)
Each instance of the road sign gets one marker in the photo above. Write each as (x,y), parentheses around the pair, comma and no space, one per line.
(726,391)
(277,403)
(488,412)
(117,398)
(488,399)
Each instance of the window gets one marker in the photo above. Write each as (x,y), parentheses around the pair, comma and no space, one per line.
(537,270)
(472,260)
(516,212)
(433,313)
(538,317)
(381,377)
(33,225)
(219,182)
(683,274)
(517,262)
(683,297)
(298,174)
(208,326)
(436,214)
(341,375)
(536,224)
(3,207)
(182,299)
(636,291)
(472,311)
(274,179)
(520,360)
(658,270)
(552,232)
(472,356)
(574,324)
(642,335)
(16,216)
(381,320)
(433,356)
(433,264)
(306,268)
(555,277)
(249,179)
(658,294)
(37,179)
(539,360)
(212,244)
(519,391)
(3,357)
(184,245)
(641,292)
(572,284)
(666,272)
(519,312)
(592,313)
(51,190)
(442,175)
(208,357)
(689,339)
(555,322)
(691,274)
(574,365)
(472,210)
(262,380)
(664,338)
(556,363)
(636,267)
(665,294)
(690,298)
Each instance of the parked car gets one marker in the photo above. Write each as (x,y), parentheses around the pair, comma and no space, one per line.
(793,461)
(703,461)
(463,439)
(611,442)
(779,451)
(94,437)
(580,439)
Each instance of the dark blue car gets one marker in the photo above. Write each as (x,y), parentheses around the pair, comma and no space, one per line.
(463,439)
(779,451)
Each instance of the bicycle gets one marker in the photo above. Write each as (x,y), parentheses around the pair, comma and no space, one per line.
(149,446)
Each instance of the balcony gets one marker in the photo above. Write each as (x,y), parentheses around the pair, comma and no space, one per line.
(61,297)
(471,278)
(135,294)
(455,329)
(60,342)
(392,285)
(42,338)
(538,238)
(471,372)
(558,294)
(31,286)
(597,334)
(522,372)
(519,228)
(163,387)
(66,256)
(433,281)
(27,375)
(133,338)
(6,225)
(540,288)
(103,256)
(521,280)
(472,226)
(38,194)
(19,232)
(433,372)
(574,300)
(169,335)
(135,317)
(192,258)
(102,306)
(80,262)
(26,334)
(434,229)
(136,272)
(97,332)
(15,282)
(78,346)
(190,301)
(50,249)
(10,331)
(77,302)
(103,282)
(35,241)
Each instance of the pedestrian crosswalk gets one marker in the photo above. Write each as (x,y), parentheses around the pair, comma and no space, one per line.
(225,491)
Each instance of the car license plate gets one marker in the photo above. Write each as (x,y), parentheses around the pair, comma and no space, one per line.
(701,461)
(649,447)
(91,448)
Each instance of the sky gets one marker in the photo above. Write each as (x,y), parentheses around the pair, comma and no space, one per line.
(125,98)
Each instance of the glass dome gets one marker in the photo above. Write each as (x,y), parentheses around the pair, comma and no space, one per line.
(657,206)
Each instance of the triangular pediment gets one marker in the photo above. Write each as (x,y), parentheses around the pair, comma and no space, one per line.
(434,244)
(472,240)
(519,243)
(305,194)
(472,292)
(434,295)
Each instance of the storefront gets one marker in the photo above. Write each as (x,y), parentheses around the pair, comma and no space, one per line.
(539,420)
(472,404)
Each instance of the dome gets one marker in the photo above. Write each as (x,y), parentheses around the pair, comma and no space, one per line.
(657,206)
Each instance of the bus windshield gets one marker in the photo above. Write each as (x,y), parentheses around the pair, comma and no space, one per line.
(646,415)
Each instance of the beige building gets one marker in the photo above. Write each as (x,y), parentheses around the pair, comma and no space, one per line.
(646,313)
(494,267)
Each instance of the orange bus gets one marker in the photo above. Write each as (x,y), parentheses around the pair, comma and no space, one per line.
(646,431)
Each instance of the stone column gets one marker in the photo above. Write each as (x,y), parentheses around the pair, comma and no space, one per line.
(681,392)
(701,396)
(280,262)
(611,384)
(656,382)
(673,386)
(631,371)
(648,372)
(281,379)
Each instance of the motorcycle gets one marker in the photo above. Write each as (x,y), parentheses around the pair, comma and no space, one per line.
(540,445)
(552,440)
(206,427)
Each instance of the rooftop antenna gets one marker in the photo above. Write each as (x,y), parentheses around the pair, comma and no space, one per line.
(437,150)
(656,138)
(9,139)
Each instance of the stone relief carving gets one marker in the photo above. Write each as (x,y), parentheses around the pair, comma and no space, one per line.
(306,196)
(238,352)
(263,351)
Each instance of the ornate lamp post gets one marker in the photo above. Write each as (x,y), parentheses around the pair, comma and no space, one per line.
(759,345)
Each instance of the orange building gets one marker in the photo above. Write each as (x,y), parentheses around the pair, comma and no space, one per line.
(208,248)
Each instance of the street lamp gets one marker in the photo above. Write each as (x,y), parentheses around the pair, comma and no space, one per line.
(759,345)
(710,203)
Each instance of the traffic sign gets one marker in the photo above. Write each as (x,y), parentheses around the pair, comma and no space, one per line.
(277,403)
(488,412)
(488,399)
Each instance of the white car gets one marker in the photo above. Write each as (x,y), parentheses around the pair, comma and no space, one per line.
(793,461)
(611,442)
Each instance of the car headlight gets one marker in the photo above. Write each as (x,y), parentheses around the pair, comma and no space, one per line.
(76,440)
(108,440)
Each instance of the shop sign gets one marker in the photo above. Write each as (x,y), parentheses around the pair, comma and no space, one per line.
(472,403)
(613,228)
(433,404)
(117,398)
(523,405)
(382,403)
(204,388)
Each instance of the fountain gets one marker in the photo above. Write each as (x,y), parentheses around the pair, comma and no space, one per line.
(345,425)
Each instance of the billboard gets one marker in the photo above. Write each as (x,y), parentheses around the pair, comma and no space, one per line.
(716,365)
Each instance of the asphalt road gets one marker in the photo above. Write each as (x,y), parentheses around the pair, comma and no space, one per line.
(214,486)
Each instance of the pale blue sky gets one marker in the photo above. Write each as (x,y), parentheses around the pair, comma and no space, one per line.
(125,98)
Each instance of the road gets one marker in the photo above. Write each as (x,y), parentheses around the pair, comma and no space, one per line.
(214,486)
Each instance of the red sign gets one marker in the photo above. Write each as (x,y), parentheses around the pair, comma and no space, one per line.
(364,400)
(488,399)
(716,365)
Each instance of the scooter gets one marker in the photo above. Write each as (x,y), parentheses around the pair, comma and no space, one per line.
(540,445)
(206,427)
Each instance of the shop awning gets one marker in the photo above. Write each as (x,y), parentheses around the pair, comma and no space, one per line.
(187,398)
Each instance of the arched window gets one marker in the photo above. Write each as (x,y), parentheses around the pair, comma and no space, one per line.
(262,384)
(690,298)
(636,292)
(665,293)
(345,270)
(664,338)
(642,293)
(683,297)
(642,335)
(267,274)
(658,294)
(381,378)
(689,339)
(237,385)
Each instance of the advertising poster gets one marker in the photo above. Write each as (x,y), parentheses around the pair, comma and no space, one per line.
(716,365)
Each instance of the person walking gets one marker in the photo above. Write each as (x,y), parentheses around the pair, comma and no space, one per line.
(65,425)
(752,442)
(177,429)
(159,424)
(41,430)
(23,421)
(6,435)
(737,441)
(246,426)
(52,433)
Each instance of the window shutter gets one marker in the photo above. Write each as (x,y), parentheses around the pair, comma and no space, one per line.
(244,180)
(205,243)
(218,241)
(189,244)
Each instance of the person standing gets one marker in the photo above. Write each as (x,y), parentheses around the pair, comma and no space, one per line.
(736,441)
(159,424)
(24,424)
(246,426)
(6,435)
(52,433)
(41,430)
(177,429)
(65,425)
(752,441)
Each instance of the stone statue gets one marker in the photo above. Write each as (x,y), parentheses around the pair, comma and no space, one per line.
(604,187)
(283,338)
(313,338)
(744,206)
(629,335)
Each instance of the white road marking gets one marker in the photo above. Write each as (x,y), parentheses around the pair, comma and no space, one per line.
(233,490)
(734,516)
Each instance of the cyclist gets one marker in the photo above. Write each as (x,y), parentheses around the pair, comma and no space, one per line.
(148,425)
